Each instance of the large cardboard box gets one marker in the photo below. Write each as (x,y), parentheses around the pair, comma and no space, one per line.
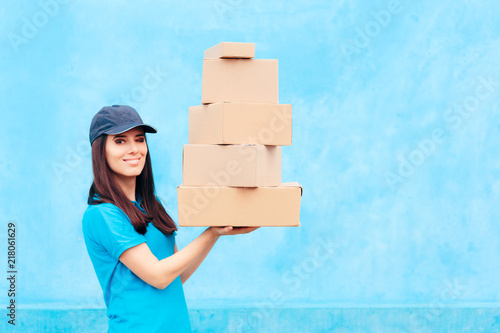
(240,80)
(231,165)
(230,50)
(241,123)
(224,206)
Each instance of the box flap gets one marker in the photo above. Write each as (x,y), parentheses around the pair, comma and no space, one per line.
(293,184)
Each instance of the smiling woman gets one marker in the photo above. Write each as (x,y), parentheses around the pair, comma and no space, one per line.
(130,237)
(126,155)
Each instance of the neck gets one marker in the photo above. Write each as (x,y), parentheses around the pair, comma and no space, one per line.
(127,185)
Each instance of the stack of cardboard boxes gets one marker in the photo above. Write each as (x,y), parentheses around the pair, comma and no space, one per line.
(232,164)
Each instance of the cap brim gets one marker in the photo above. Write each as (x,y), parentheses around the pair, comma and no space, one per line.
(126,127)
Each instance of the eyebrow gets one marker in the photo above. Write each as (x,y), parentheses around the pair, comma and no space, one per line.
(123,136)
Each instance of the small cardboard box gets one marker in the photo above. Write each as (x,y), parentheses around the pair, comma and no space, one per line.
(235,206)
(231,165)
(230,50)
(241,123)
(240,80)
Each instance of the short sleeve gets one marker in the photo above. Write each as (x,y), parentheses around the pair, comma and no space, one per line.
(111,228)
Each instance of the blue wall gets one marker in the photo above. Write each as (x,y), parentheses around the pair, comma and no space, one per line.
(396,124)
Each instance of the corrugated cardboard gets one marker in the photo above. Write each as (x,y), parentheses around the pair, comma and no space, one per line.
(231,165)
(241,123)
(224,206)
(230,50)
(240,80)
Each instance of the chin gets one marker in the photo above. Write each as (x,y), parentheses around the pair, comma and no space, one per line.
(136,173)
(130,173)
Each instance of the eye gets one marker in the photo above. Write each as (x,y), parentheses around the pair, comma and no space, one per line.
(140,140)
(119,141)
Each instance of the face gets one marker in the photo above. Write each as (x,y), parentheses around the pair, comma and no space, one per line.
(126,152)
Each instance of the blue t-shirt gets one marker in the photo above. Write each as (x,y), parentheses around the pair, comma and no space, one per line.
(132,304)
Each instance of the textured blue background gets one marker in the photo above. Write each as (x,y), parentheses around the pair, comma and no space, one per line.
(396,124)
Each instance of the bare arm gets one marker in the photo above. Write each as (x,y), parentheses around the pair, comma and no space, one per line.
(160,273)
(193,266)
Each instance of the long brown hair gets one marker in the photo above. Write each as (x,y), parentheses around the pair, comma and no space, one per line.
(108,190)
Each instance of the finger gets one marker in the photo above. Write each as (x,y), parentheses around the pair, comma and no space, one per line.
(227,229)
(246,230)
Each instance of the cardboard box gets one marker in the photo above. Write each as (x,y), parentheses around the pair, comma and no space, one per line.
(230,50)
(241,123)
(231,165)
(223,206)
(240,80)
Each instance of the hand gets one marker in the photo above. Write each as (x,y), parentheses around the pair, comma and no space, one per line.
(229,230)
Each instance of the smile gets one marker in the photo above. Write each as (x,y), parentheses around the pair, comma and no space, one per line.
(133,161)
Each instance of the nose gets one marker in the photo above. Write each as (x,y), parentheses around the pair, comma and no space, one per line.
(133,147)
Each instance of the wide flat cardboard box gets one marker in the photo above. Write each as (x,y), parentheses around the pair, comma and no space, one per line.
(225,206)
(241,123)
(240,80)
(230,50)
(231,165)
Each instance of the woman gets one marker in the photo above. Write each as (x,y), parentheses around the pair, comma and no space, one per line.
(130,237)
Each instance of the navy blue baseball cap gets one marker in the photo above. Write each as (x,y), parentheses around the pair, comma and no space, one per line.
(116,119)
